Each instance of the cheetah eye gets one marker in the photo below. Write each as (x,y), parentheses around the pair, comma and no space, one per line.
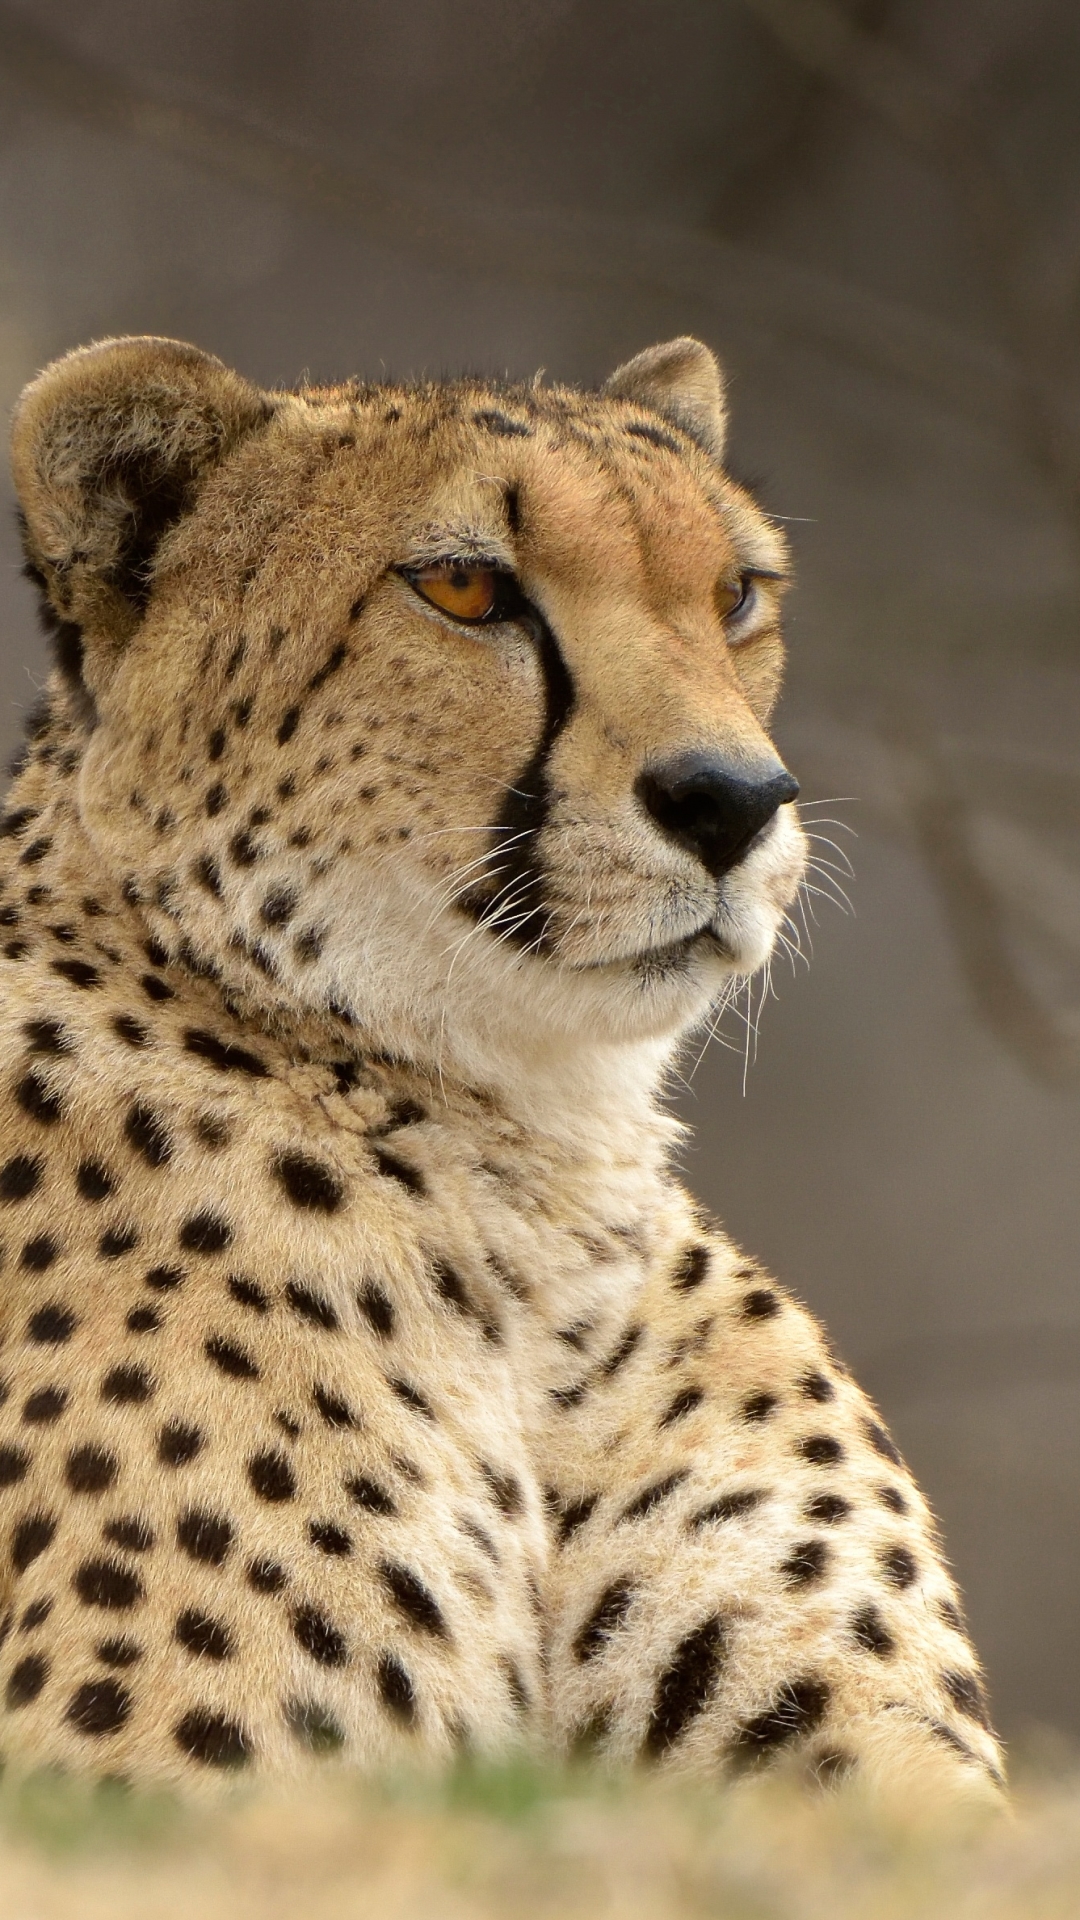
(734,598)
(468,591)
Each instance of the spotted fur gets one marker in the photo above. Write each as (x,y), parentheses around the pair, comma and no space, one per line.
(371,1388)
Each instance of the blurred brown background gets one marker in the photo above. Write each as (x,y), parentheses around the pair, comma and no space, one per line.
(871,208)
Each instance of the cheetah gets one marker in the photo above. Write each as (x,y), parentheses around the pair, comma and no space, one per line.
(400,799)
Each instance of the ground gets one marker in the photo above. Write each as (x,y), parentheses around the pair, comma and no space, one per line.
(494,1844)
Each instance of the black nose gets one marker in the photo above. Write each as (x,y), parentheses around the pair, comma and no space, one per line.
(713,807)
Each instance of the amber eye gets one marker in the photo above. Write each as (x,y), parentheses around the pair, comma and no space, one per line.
(732,596)
(457,587)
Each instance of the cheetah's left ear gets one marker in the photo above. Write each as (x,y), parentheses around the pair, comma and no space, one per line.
(681,381)
(110,446)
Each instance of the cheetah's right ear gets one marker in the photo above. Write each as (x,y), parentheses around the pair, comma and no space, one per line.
(109,448)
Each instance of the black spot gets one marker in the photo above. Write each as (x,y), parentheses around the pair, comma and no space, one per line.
(883,1442)
(14,1462)
(119,1653)
(892,1498)
(729,1506)
(36,1614)
(205,1233)
(319,1637)
(217,800)
(146,1133)
(683,1403)
(127,1386)
(108,1584)
(231,1359)
(900,1567)
(143,1320)
(410,1396)
(816,1386)
(799,1707)
(505,1490)
(377,1309)
(30,1538)
(248,1293)
(369,1495)
(26,1680)
(827,1507)
(966,1693)
(616,1360)
(116,1241)
(206,1638)
(314,1726)
(653,1495)
(204,1536)
(19,1177)
(218,1053)
(129,1532)
(271,1476)
(94,1181)
(335,1411)
(39,1253)
(329,1539)
(821,1450)
(45,1406)
(692,1267)
(131,1031)
(806,1563)
(308,945)
(395,1169)
(35,1099)
(606,1617)
(90,1469)
(156,989)
(686,1685)
(266,1576)
(871,1632)
(47,1036)
(51,1326)
(278,907)
(178,1443)
(290,720)
(761,1304)
(34,854)
(99,1707)
(396,1689)
(213,1739)
(335,659)
(208,875)
(164,1279)
(413,1599)
(14,822)
(311,1307)
(951,1615)
(574,1515)
(502,425)
(215,746)
(79,972)
(655,436)
(758,1406)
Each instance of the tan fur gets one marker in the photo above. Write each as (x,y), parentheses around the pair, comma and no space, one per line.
(371,1385)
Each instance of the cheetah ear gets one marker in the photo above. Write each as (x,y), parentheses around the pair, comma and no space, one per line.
(109,448)
(681,380)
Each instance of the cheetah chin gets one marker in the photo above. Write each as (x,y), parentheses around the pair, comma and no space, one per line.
(370,1388)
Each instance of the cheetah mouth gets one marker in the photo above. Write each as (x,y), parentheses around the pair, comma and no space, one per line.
(668,958)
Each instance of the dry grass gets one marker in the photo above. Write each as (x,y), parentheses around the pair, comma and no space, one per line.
(488,1845)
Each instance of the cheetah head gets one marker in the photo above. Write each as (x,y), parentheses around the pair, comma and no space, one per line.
(442,707)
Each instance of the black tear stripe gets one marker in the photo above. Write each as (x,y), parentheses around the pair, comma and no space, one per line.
(512,902)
